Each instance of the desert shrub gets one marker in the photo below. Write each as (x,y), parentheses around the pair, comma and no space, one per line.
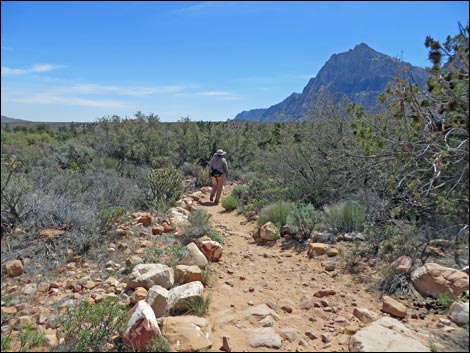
(75,200)
(199,174)
(89,327)
(239,191)
(165,183)
(230,203)
(157,162)
(208,275)
(395,283)
(15,196)
(256,189)
(353,259)
(302,220)
(276,213)
(169,255)
(400,238)
(197,306)
(159,344)
(345,216)
(198,224)
(74,156)
(444,300)
(6,343)
(30,338)
(215,235)
(109,215)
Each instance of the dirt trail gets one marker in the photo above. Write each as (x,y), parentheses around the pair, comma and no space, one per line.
(249,275)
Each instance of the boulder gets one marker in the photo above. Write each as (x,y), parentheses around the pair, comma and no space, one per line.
(187,333)
(385,335)
(148,275)
(433,279)
(141,328)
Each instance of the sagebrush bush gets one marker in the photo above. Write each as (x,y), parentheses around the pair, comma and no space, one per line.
(345,216)
(276,213)
(230,203)
(198,224)
(302,220)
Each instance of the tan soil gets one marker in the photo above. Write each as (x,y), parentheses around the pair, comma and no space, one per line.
(249,275)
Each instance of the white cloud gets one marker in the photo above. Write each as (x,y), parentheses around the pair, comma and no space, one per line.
(92,95)
(119,90)
(45,98)
(220,95)
(8,71)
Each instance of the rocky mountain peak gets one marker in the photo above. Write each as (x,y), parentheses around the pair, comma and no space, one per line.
(360,74)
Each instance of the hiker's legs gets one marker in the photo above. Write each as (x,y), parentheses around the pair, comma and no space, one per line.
(214,187)
(220,186)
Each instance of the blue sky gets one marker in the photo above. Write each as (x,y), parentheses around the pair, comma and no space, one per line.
(80,61)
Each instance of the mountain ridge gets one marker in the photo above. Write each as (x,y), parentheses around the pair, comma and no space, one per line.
(360,74)
(6,119)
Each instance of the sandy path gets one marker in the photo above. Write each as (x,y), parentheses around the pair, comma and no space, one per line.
(249,275)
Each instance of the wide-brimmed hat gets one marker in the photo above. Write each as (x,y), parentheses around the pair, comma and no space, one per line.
(221,152)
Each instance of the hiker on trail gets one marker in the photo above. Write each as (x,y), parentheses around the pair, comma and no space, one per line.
(218,172)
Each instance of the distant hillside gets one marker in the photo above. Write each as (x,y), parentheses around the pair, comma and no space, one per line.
(6,119)
(361,74)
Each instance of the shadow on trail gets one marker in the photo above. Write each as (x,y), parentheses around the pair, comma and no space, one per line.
(207,203)
(294,245)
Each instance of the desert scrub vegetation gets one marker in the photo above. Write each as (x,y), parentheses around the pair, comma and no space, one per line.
(169,255)
(200,226)
(91,326)
(302,220)
(276,213)
(346,216)
(27,339)
(230,203)
(165,184)
(406,164)
(158,344)
(198,306)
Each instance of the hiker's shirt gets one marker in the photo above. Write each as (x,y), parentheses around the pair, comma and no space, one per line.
(220,164)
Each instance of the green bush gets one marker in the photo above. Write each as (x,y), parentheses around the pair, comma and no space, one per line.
(198,306)
(345,216)
(6,343)
(30,338)
(165,183)
(159,344)
(302,220)
(90,326)
(170,255)
(215,235)
(276,213)
(239,191)
(444,300)
(110,215)
(400,238)
(198,224)
(230,203)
